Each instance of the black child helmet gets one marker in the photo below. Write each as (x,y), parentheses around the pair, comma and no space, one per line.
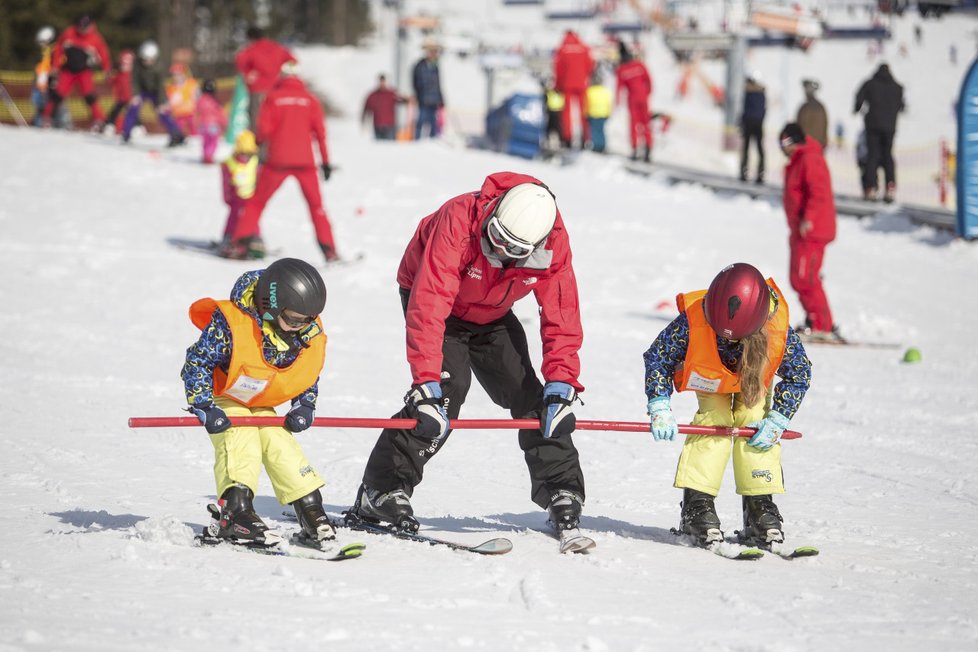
(290,283)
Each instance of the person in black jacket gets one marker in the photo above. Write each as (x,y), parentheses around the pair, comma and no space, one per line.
(883,97)
(426,79)
(752,125)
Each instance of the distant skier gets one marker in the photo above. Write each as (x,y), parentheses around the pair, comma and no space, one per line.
(572,70)
(259,64)
(42,74)
(812,117)
(78,52)
(599,105)
(239,173)
(426,82)
(633,77)
(289,120)
(727,344)
(210,121)
(121,82)
(381,105)
(147,81)
(752,126)
(263,347)
(809,206)
(463,270)
(884,98)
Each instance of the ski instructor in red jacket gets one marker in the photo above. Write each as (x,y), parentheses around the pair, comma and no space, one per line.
(572,74)
(463,270)
(809,205)
(290,118)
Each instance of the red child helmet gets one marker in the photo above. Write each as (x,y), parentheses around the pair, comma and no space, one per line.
(738,301)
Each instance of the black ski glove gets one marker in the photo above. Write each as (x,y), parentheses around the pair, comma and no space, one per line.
(424,403)
(327,170)
(300,416)
(211,417)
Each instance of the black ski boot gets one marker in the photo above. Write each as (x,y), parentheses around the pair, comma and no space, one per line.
(565,510)
(235,519)
(317,530)
(762,522)
(699,518)
(392,507)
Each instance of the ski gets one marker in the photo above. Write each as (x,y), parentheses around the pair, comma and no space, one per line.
(345,262)
(722,548)
(788,553)
(212,248)
(349,551)
(497,546)
(573,541)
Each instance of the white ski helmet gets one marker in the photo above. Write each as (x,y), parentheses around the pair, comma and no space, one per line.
(149,51)
(45,35)
(524,217)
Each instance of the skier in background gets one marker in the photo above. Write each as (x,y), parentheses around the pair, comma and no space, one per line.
(809,206)
(812,117)
(147,81)
(42,74)
(883,97)
(181,96)
(426,80)
(463,270)
(633,77)
(78,52)
(260,63)
(572,70)
(554,104)
(381,104)
(239,174)
(261,348)
(727,344)
(752,125)
(289,120)
(121,83)
(210,120)
(599,106)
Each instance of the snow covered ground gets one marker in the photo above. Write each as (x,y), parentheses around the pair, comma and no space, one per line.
(98,553)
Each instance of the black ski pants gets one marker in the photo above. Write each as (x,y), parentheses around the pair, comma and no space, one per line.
(749,131)
(879,153)
(497,354)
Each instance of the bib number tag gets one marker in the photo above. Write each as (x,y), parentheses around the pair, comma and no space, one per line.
(700,384)
(245,388)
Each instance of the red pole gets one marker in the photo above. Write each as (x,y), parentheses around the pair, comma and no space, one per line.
(457,424)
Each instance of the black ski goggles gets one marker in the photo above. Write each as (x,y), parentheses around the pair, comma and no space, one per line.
(296,322)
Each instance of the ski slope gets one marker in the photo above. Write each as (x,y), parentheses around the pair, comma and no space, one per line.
(98,553)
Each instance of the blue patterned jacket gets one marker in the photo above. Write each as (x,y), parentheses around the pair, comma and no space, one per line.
(668,351)
(213,349)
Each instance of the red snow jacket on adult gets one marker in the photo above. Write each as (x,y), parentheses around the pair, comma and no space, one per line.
(77,52)
(572,65)
(634,77)
(808,194)
(289,115)
(260,62)
(448,272)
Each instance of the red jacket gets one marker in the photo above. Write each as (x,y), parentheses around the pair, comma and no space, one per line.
(634,77)
(808,194)
(381,103)
(260,63)
(288,117)
(448,273)
(122,86)
(78,52)
(572,65)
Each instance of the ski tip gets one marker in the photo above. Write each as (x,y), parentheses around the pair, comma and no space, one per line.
(498,546)
(803,551)
(350,551)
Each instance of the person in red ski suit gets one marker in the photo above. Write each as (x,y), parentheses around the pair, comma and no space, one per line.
(259,64)
(572,74)
(461,273)
(809,205)
(121,89)
(382,103)
(78,52)
(634,78)
(289,118)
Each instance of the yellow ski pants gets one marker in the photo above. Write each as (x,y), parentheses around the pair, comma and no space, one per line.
(240,452)
(704,457)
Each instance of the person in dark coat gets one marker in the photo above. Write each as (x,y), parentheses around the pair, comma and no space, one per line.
(752,125)
(426,78)
(812,117)
(883,98)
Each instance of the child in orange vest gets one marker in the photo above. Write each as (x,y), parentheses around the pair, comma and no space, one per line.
(239,174)
(211,120)
(263,347)
(727,345)
(181,94)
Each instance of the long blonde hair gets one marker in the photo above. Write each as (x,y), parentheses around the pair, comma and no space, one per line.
(753,361)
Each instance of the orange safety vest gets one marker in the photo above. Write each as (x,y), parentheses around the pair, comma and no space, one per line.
(250,379)
(182,97)
(702,370)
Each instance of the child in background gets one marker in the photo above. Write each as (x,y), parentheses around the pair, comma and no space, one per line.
(599,104)
(239,173)
(727,344)
(182,94)
(147,82)
(121,89)
(210,120)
